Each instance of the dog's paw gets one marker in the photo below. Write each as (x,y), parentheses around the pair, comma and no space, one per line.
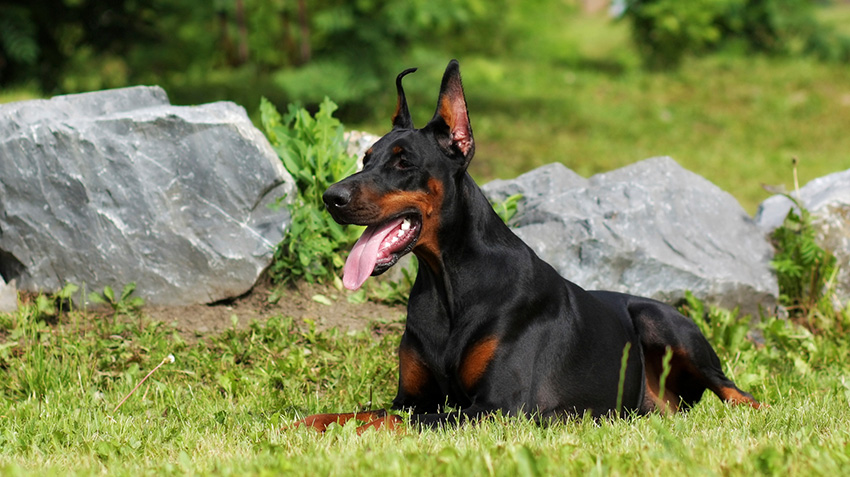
(319,422)
(389,422)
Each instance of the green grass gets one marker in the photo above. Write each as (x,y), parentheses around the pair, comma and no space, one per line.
(10,95)
(219,408)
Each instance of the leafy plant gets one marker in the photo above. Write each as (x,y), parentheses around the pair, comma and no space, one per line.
(507,208)
(724,329)
(805,271)
(313,151)
(49,306)
(123,305)
(17,35)
(394,292)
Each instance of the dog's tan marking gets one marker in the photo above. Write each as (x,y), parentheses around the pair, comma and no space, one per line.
(734,396)
(320,422)
(428,203)
(412,371)
(476,360)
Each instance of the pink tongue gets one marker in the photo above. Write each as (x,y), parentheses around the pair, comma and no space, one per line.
(364,255)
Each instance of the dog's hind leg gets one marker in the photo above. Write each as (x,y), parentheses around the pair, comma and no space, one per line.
(679,361)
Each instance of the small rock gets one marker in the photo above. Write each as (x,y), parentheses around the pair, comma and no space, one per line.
(8,296)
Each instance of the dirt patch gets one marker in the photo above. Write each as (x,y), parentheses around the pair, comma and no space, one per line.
(296,302)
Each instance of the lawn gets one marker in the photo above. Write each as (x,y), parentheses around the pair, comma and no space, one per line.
(223,405)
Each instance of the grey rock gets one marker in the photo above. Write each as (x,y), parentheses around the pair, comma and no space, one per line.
(357,143)
(119,186)
(8,296)
(816,196)
(535,185)
(828,200)
(652,229)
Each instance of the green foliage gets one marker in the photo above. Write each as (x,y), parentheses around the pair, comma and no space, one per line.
(665,31)
(313,151)
(727,332)
(356,48)
(392,292)
(224,406)
(122,305)
(507,208)
(805,271)
(48,40)
(772,342)
(17,36)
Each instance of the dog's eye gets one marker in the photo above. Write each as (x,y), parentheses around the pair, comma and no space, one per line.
(403,164)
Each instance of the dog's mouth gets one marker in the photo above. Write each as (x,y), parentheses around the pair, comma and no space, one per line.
(379,248)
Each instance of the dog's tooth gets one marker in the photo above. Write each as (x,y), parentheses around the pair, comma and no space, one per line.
(405,225)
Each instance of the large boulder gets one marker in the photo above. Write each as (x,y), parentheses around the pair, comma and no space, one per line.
(828,200)
(119,186)
(652,229)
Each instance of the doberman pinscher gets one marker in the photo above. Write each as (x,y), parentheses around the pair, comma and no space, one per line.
(490,326)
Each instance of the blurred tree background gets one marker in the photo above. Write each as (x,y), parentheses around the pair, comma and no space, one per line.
(235,49)
(595,84)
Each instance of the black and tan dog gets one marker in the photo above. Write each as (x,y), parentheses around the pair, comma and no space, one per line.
(490,326)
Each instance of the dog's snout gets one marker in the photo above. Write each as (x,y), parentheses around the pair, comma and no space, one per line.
(336,197)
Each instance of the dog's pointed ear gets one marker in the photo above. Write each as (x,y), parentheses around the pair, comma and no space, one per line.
(451,121)
(401,118)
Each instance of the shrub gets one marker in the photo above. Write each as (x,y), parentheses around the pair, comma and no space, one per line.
(667,30)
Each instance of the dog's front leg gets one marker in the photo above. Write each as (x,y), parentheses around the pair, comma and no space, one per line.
(373,419)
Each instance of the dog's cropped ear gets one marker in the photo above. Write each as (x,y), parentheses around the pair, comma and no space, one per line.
(450,123)
(401,118)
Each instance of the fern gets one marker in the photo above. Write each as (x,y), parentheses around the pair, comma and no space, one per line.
(804,269)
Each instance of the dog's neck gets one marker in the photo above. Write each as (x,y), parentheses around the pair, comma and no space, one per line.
(472,238)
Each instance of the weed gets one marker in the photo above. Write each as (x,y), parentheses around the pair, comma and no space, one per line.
(507,208)
(313,151)
(806,271)
(123,305)
(394,292)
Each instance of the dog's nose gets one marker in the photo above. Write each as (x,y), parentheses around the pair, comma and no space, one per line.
(336,197)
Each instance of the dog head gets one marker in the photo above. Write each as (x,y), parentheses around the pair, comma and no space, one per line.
(407,176)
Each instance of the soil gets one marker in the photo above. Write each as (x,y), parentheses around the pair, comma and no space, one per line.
(297,302)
